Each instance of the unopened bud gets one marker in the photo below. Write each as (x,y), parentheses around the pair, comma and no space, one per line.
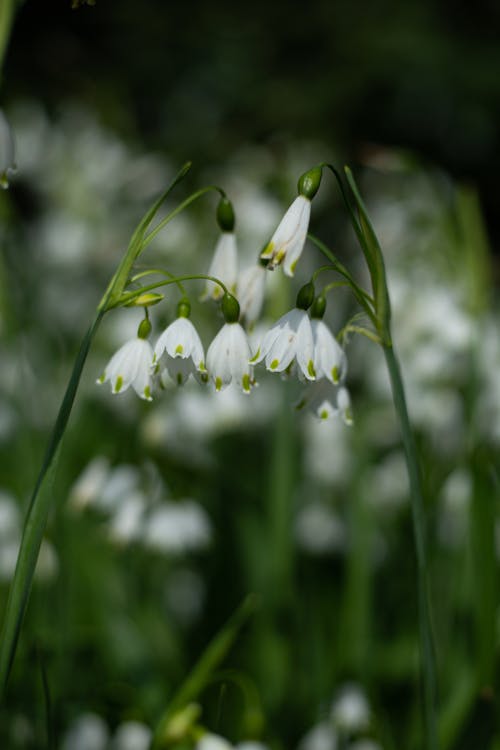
(145,300)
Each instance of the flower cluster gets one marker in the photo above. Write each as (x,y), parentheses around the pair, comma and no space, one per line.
(297,344)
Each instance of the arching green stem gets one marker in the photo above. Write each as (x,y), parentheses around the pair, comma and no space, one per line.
(127,297)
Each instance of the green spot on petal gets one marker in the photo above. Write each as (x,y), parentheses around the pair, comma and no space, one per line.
(218,384)
(102,378)
(179,349)
(293,266)
(246,383)
(201,367)
(147,392)
(268,250)
(335,374)
(255,356)
(324,414)
(118,384)
(274,364)
(310,369)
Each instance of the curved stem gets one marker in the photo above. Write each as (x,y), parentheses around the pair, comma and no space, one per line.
(161,272)
(127,297)
(418,516)
(149,237)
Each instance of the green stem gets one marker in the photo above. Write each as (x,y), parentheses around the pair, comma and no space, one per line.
(429,682)
(36,519)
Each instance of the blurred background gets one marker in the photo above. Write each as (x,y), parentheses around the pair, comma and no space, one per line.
(166,516)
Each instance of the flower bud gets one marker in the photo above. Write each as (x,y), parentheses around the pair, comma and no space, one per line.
(184,308)
(230,308)
(305,297)
(309,182)
(145,300)
(225,215)
(144,329)
(318,307)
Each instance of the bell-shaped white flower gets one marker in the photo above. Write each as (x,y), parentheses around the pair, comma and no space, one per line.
(287,242)
(251,288)
(326,401)
(179,347)
(224,266)
(289,339)
(329,358)
(7,151)
(228,358)
(130,366)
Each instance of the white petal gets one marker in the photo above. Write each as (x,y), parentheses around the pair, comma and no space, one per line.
(305,347)
(329,357)
(344,406)
(251,288)
(224,266)
(131,366)
(287,242)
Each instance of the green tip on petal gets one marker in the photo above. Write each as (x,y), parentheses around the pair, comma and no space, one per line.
(102,379)
(310,369)
(118,384)
(147,393)
(274,364)
(309,182)
(246,383)
(324,414)
(335,374)
(255,357)
(218,384)
(179,349)
(267,251)
(201,367)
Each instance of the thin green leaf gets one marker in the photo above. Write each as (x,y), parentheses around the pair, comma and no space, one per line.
(41,503)
(203,670)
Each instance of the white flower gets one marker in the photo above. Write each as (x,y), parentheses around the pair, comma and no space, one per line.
(211,741)
(251,288)
(130,366)
(132,735)
(329,357)
(228,358)
(326,401)
(180,347)
(289,338)
(350,710)
(287,242)
(7,151)
(224,266)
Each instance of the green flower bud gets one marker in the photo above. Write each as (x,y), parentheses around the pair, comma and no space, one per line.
(144,329)
(305,297)
(184,308)
(230,308)
(225,215)
(318,307)
(145,300)
(309,182)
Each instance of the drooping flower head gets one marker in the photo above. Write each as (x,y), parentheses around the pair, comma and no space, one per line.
(286,245)
(131,365)
(224,265)
(329,357)
(228,356)
(179,347)
(291,338)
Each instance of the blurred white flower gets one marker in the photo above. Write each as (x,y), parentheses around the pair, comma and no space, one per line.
(321,737)
(211,741)
(130,366)
(287,242)
(125,525)
(7,151)
(289,339)
(228,358)
(350,710)
(319,530)
(180,348)
(454,506)
(132,735)
(177,527)
(90,483)
(329,358)
(88,732)
(251,289)
(224,266)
